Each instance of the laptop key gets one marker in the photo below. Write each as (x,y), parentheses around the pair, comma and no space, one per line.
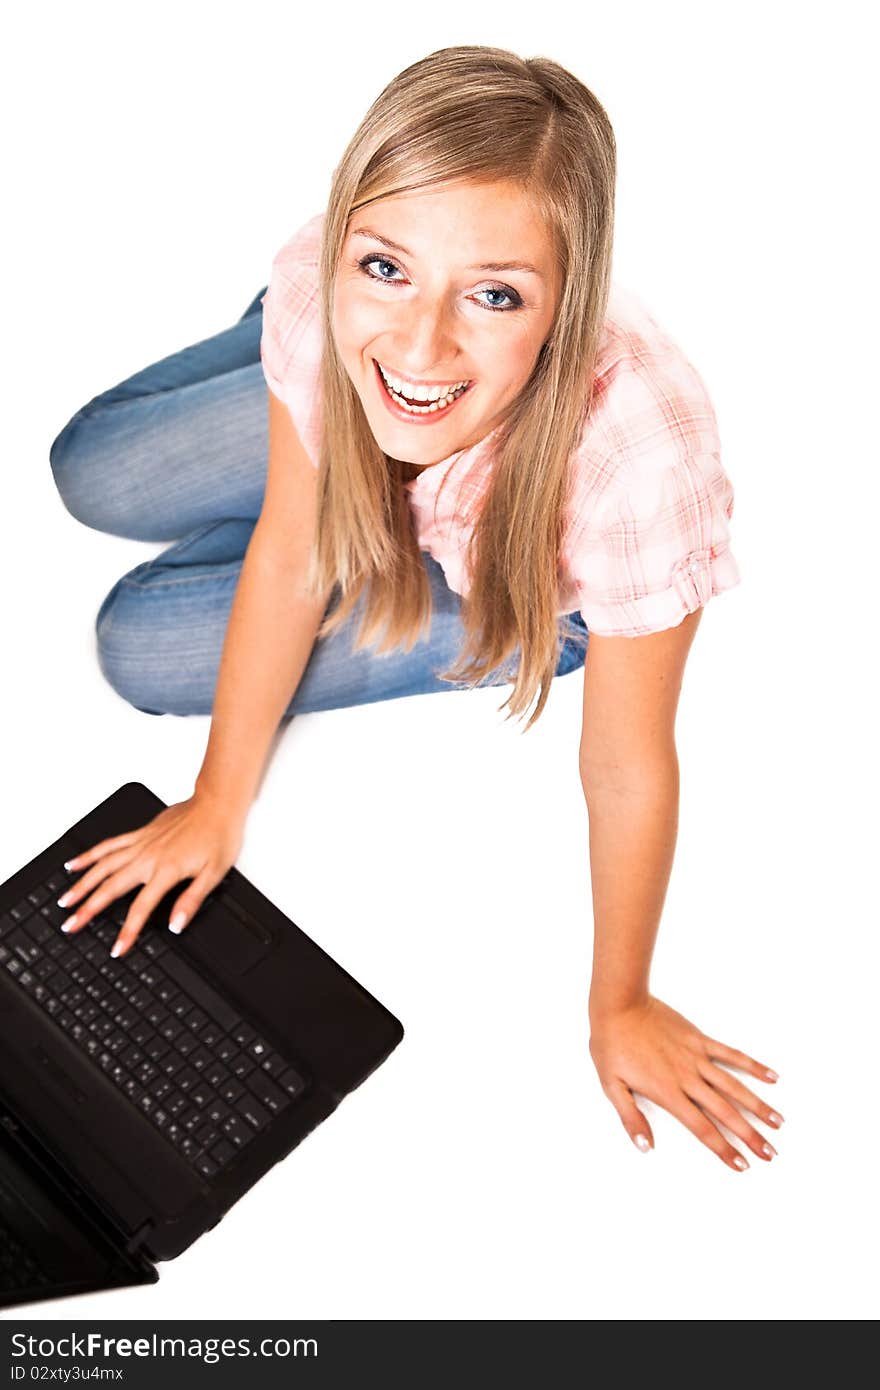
(222,1152)
(172,1063)
(292,1082)
(217,1111)
(191,1119)
(201,1094)
(205,996)
(266,1091)
(252,1111)
(216,1074)
(156,1048)
(196,1020)
(237,1131)
(273,1064)
(206,1166)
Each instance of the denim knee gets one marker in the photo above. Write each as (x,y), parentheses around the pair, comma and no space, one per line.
(125,660)
(69,458)
(60,460)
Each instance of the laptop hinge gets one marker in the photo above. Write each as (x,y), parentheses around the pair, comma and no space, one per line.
(137,1239)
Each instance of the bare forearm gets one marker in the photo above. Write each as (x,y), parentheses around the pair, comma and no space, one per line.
(633,831)
(269,639)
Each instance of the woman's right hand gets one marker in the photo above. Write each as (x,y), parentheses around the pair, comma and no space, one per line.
(197,838)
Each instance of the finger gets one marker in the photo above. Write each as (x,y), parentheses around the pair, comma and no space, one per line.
(717,1105)
(700,1125)
(633,1120)
(734,1058)
(120,883)
(730,1086)
(142,907)
(88,856)
(191,899)
(96,874)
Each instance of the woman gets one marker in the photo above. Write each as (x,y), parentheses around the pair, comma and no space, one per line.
(476,446)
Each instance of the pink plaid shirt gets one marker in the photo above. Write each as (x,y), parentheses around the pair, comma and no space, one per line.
(646,534)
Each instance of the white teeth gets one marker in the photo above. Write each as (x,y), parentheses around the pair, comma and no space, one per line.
(420,393)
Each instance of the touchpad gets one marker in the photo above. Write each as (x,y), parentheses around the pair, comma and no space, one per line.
(221,930)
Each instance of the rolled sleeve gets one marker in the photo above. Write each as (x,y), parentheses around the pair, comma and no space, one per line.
(660,548)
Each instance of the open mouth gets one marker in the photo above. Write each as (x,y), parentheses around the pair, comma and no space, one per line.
(430,408)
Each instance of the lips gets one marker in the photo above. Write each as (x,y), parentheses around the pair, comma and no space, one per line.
(424,412)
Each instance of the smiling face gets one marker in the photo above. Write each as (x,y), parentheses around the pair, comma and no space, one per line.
(442,301)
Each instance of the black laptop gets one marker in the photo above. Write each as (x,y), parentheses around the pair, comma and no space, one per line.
(141,1097)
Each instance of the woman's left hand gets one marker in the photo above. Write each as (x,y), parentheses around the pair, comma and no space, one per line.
(649,1048)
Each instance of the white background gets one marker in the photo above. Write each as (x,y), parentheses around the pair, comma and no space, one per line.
(155,159)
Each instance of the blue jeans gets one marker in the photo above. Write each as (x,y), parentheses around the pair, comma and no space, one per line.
(179,452)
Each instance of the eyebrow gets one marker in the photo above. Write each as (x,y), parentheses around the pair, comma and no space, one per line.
(489,265)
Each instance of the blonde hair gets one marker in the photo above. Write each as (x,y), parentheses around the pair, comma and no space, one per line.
(480,114)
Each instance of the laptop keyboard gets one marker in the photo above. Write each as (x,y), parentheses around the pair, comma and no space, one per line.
(18,1268)
(181,1054)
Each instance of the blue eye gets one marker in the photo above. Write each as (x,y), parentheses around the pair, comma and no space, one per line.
(515,302)
(507,294)
(368,260)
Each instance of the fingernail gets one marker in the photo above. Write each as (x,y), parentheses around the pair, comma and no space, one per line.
(769,1150)
(774,1118)
(739,1162)
(69,863)
(771,1075)
(176,923)
(641,1142)
(64,899)
(70,922)
(116,948)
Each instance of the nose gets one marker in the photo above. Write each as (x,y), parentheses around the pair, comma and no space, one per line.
(427,342)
